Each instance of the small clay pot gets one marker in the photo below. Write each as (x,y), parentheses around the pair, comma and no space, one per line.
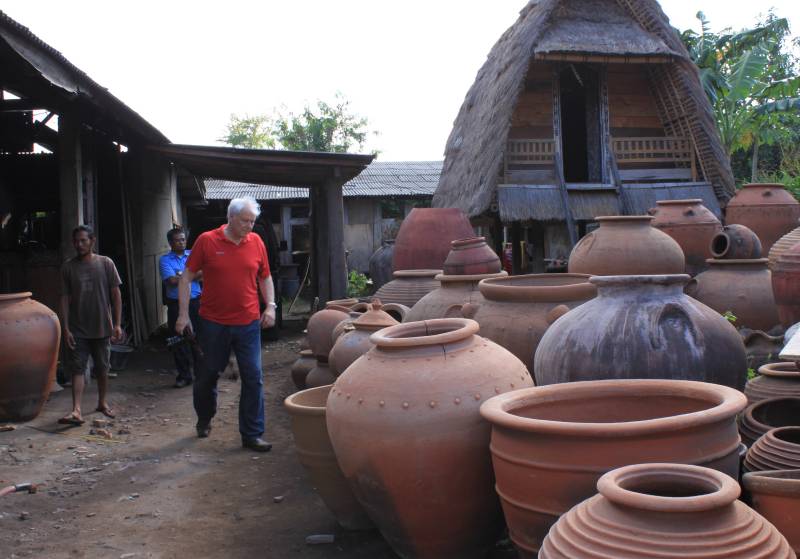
(735,242)
(320,331)
(302,367)
(768,414)
(664,511)
(692,225)
(471,256)
(782,245)
(320,375)
(775,494)
(408,287)
(774,380)
(453,293)
(768,209)
(423,240)
(778,449)
(355,341)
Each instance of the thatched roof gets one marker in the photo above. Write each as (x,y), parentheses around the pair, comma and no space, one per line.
(474,150)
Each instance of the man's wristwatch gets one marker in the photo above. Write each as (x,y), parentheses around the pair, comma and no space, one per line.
(272,304)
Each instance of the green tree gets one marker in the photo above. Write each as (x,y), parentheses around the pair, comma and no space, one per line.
(252,132)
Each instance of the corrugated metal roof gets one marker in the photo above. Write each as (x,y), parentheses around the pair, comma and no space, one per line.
(380,179)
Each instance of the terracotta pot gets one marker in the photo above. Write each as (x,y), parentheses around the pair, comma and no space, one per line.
(516,311)
(396,310)
(774,380)
(778,449)
(423,241)
(641,327)
(302,367)
(320,331)
(761,348)
(471,256)
(762,416)
(692,226)
(775,494)
(735,242)
(786,285)
(404,423)
(453,293)
(783,244)
(307,413)
(353,313)
(550,444)
(743,287)
(626,245)
(664,511)
(355,342)
(408,287)
(380,264)
(768,209)
(320,375)
(29,338)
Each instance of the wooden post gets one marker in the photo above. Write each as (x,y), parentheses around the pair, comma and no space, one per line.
(338,263)
(70,179)
(516,247)
(536,242)
(559,160)
(321,247)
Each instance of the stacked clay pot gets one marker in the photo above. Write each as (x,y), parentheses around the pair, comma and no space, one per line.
(664,511)
(692,225)
(782,245)
(423,240)
(29,339)
(778,449)
(408,286)
(302,367)
(743,287)
(550,444)
(764,415)
(447,301)
(768,209)
(320,339)
(355,342)
(405,424)
(307,413)
(775,494)
(786,285)
(471,256)
(516,311)
(774,380)
(641,327)
(380,264)
(626,245)
(735,242)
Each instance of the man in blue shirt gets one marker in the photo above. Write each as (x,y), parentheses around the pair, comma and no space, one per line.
(171,266)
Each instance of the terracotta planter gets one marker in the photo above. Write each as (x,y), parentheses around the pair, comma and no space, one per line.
(735,242)
(405,425)
(471,256)
(423,241)
(408,287)
(355,342)
(320,331)
(641,327)
(307,413)
(778,449)
(664,511)
(768,209)
(516,311)
(765,415)
(692,226)
(775,494)
(625,245)
(774,380)
(452,294)
(783,244)
(302,367)
(320,375)
(786,285)
(380,264)
(743,287)
(551,444)
(30,334)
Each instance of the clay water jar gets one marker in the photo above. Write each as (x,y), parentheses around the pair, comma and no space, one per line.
(743,287)
(764,415)
(768,209)
(320,331)
(550,444)
(777,449)
(471,256)
(380,264)
(302,367)
(782,245)
(409,286)
(626,245)
(786,285)
(692,225)
(405,424)
(30,334)
(423,240)
(774,380)
(320,375)
(453,293)
(355,342)
(313,445)
(641,327)
(775,494)
(735,242)
(515,311)
(664,511)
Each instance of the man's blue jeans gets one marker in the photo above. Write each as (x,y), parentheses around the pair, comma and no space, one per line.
(216,340)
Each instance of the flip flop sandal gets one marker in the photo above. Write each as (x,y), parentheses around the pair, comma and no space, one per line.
(71,420)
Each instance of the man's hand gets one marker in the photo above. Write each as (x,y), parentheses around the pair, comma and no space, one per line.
(68,337)
(116,334)
(268,317)
(182,323)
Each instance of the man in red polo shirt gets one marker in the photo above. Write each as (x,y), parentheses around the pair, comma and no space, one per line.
(233,261)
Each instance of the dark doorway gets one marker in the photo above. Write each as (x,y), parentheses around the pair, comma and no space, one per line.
(580,124)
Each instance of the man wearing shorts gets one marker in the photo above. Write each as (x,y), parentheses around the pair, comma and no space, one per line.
(90,292)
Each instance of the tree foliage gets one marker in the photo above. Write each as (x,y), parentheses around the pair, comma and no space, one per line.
(252,132)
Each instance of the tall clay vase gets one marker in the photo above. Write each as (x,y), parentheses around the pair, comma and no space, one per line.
(405,425)
(735,242)
(307,413)
(471,256)
(29,338)
(447,301)
(775,494)
(355,342)
(778,449)
(774,380)
(692,225)
(380,264)
(408,287)
(743,287)
(626,245)
(664,511)
(423,240)
(768,209)
(641,327)
(765,415)
(782,245)
(786,285)
(550,444)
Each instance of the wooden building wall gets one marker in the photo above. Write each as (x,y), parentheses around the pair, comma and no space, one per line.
(631,105)
(533,116)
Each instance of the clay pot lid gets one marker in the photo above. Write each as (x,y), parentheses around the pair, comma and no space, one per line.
(754,262)
(374,318)
(657,279)
(538,287)
(437,331)
(640,486)
(785,369)
(311,401)
(468,278)
(15,296)
(776,482)
(416,273)
(685,202)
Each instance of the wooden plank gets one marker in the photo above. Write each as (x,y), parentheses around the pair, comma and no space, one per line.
(70,180)
(634,121)
(530,176)
(630,175)
(338,264)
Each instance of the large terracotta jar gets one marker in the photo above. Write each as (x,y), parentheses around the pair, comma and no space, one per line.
(409,286)
(786,285)
(735,242)
(29,339)
(782,245)
(641,327)
(307,413)
(778,449)
(774,380)
(626,245)
(742,287)
(380,264)
(765,415)
(515,311)
(768,209)
(471,256)
(423,240)
(775,494)
(405,424)
(664,511)
(550,444)
(447,301)
(302,367)
(355,341)
(692,225)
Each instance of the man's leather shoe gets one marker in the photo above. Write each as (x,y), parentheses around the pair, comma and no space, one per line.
(259,445)
(203,429)
(181,382)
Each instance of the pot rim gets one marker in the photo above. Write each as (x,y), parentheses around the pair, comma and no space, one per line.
(781,369)
(773,482)
(469,278)
(683,202)
(740,261)
(349,302)
(720,489)
(764,184)
(504,289)
(15,296)
(724,402)
(656,279)
(295,407)
(624,218)
(459,244)
(416,273)
(415,334)
(758,425)
(773,434)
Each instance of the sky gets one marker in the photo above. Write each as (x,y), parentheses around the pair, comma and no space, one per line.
(405,66)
